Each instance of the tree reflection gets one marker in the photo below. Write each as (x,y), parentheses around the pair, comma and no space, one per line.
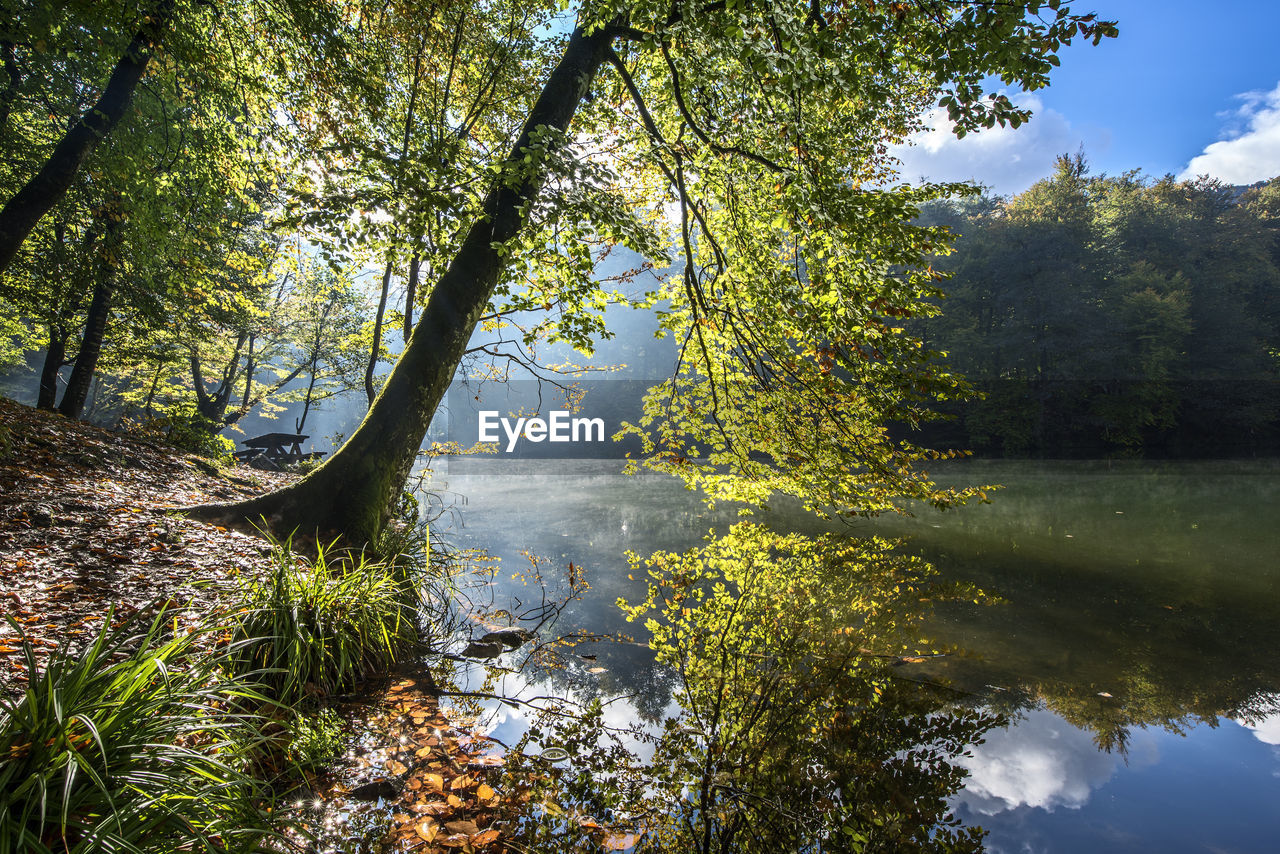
(794,733)
(1140,702)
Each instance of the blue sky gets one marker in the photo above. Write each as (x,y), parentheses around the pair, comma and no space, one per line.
(1187,88)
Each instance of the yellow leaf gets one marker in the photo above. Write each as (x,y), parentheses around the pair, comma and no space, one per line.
(427,829)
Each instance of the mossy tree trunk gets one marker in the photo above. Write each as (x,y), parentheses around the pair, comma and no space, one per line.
(353,491)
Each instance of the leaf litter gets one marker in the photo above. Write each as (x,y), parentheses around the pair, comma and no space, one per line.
(414,782)
(88,521)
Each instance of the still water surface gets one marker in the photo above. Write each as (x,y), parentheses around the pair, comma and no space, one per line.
(1131,632)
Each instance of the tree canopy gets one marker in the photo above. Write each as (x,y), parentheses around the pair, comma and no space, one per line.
(486,155)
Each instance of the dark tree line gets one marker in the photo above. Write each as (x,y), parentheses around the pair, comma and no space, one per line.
(1103,315)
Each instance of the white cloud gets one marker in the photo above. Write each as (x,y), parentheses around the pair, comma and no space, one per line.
(1252,153)
(1040,761)
(1007,160)
(1266,730)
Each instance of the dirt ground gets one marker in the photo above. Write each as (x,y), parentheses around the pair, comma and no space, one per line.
(88,526)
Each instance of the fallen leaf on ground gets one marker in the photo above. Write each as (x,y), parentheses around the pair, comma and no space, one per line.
(619,841)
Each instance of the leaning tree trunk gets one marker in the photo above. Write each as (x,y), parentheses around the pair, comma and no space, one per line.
(353,491)
(46,187)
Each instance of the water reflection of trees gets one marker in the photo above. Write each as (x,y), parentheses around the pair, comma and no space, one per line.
(1133,594)
(796,733)
(1111,652)
(1111,719)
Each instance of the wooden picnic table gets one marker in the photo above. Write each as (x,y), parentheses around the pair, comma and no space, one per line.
(277,447)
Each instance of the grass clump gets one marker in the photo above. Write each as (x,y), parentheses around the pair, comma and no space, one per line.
(310,631)
(315,739)
(144,742)
(133,744)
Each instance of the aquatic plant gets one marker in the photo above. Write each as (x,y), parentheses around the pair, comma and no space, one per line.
(315,739)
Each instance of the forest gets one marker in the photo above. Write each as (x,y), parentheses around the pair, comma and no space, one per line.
(194,276)
(1114,315)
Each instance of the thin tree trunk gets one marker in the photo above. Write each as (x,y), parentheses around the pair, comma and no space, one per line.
(299,423)
(151,393)
(410,292)
(56,353)
(95,323)
(353,491)
(375,350)
(95,327)
(248,405)
(213,407)
(197,382)
(317,344)
(250,367)
(50,184)
(222,399)
(10,94)
(55,356)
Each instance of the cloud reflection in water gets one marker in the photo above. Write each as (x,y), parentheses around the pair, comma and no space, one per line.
(1041,761)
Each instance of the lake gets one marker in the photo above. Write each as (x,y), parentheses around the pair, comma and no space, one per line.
(1116,623)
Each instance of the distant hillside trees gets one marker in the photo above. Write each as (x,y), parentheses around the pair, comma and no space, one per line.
(1106,315)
